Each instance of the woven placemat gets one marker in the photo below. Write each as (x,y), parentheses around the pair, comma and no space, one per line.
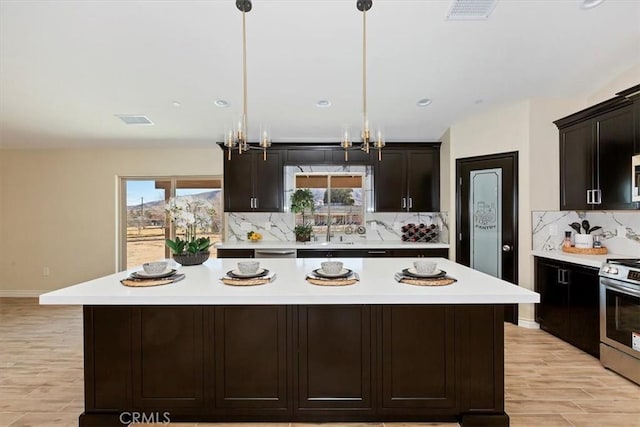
(332,282)
(244,282)
(429,282)
(144,283)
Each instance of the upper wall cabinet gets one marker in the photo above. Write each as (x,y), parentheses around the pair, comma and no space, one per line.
(596,146)
(252,184)
(408,178)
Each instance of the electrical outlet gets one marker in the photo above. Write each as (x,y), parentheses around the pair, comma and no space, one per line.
(553,230)
(45,271)
(245,226)
(267,226)
(621,231)
(374,225)
(396,226)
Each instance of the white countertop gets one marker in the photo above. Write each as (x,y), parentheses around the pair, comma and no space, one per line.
(366,244)
(202,286)
(586,260)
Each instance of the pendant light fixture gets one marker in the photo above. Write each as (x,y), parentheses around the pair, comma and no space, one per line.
(367,140)
(237,135)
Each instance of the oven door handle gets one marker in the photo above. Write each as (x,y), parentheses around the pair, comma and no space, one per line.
(615,286)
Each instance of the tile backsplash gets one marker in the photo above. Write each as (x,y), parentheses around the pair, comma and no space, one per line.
(620,231)
(278,226)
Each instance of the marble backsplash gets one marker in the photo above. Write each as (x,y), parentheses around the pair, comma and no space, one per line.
(278,226)
(620,232)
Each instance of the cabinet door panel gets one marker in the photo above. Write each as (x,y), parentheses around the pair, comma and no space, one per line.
(170,341)
(390,182)
(417,366)
(423,183)
(306,156)
(356,157)
(235,253)
(251,357)
(614,149)
(422,253)
(584,322)
(238,182)
(576,165)
(553,310)
(268,182)
(334,357)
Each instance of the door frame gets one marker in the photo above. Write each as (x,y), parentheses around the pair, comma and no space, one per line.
(513,157)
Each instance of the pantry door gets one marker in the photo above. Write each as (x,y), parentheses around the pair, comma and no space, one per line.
(487,217)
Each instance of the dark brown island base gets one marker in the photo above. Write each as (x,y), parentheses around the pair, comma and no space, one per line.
(317,363)
(199,350)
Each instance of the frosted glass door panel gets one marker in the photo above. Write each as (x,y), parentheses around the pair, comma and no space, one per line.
(486,221)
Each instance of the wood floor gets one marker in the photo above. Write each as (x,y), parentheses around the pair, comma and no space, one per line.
(548,382)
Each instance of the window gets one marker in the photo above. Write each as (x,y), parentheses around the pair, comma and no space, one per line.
(338,197)
(144,225)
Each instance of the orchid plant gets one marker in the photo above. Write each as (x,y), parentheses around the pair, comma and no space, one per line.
(190,214)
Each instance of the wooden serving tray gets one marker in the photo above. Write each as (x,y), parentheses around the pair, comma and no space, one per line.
(590,251)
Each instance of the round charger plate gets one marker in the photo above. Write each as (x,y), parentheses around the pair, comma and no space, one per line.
(321,273)
(237,275)
(144,275)
(413,273)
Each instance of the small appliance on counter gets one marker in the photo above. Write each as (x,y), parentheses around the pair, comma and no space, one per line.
(620,317)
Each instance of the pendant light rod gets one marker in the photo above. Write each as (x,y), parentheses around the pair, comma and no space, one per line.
(244,69)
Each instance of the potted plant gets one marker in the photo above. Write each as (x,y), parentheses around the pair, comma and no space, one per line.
(302,201)
(190,214)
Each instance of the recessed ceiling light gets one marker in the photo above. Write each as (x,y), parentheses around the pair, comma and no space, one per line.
(221,103)
(323,103)
(176,104)
(590,4)
(478,101)
(424,102)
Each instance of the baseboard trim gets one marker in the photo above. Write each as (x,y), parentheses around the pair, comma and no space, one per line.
(20,293)
(528,324)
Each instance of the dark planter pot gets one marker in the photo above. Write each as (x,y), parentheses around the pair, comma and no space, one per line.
(303,237)
(191,259)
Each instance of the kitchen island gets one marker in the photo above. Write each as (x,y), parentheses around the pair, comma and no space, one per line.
(378,350)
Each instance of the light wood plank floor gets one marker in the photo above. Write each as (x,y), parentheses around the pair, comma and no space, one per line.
(548,382)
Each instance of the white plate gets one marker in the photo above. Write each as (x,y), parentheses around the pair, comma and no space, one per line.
(320,272)
(143,274)
(413,271)
(257,273)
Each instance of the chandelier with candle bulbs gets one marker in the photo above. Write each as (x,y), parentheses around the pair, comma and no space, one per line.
(368,140)
(236,137)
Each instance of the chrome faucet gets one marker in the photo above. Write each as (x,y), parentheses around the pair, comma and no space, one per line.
(328,228)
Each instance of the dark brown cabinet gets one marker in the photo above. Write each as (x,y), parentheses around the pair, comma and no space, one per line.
(408,179)
(416,375)
(235,253)
(250,358)
(252,184)
(371,253)
(596,146)
(168,340)
(295,363)
(569,303)
(334,359)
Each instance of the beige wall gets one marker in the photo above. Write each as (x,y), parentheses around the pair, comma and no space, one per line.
(58,209)
(525,126)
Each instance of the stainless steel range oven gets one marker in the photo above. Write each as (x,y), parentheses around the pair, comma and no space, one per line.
(620,317)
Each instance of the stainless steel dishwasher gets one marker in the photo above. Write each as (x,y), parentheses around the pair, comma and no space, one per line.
(274,253)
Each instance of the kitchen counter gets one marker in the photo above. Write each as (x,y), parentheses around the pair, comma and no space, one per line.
(353,244)
(376,286)
(288,351)
(580,259)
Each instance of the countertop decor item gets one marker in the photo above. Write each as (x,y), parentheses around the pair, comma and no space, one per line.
(190,215)
(301,202)
(253,236)
(585,251)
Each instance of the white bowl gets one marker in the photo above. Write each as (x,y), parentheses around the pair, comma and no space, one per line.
(425,266)
(332,267)
(248,267)
(154,267)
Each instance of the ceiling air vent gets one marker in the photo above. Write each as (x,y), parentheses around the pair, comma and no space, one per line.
(467,10)
(134,119)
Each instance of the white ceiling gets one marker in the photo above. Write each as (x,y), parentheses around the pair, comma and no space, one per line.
(68,67)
